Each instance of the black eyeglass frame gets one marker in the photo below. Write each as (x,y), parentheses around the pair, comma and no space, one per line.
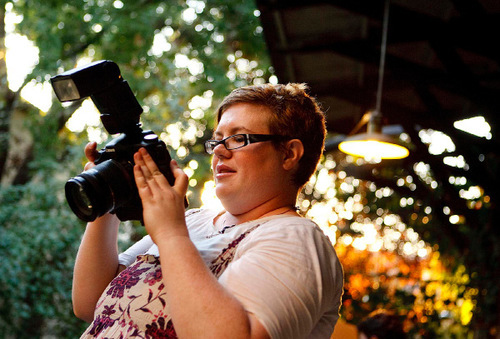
(249,139)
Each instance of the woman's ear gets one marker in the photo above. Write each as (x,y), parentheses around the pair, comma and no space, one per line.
(294,150)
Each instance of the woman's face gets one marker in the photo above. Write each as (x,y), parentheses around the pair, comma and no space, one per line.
(252,175)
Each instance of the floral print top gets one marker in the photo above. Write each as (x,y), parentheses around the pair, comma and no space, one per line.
(134,304)
(283,269)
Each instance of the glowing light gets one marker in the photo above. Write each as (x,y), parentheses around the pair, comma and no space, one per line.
(373,150)
(182,152)
(209,198)
(476,126)
(408,249)
(21,54)
(347,240)
(319,213)
(189,15)
(331,233)
(438,141)
(39,95)
(455,161)
(359,244)
(118,4)
(454,219)
(189,171)
(193,164)
(97,28)
(86,117)
(344,186)
(217,37)
(203,102)
(323,181)
(197,5)
(304,205)
(160,43)
(173,135)
(243,65)
(422,169)
(273,79)
(466,312)
(194,66)
(390,219)
(411,235)
(423,252)
(474,192)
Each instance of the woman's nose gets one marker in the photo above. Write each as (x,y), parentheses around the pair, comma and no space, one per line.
(221,151)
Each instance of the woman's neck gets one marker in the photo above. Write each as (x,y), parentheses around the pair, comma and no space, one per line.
(257,213)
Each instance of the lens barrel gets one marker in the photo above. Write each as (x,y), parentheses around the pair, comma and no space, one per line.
(100,190)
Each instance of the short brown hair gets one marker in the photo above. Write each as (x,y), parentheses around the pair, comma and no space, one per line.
(295,114)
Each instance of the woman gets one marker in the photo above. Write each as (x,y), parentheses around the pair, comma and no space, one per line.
(254,270)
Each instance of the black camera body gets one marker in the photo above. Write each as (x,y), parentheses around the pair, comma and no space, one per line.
(110,185)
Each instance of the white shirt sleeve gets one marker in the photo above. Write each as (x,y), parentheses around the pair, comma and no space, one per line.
(290,278)
(141,247)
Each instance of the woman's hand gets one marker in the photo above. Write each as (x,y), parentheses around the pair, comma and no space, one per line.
(163,204)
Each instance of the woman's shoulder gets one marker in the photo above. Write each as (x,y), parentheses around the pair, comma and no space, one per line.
(293,240)
(290,229)
(292,223)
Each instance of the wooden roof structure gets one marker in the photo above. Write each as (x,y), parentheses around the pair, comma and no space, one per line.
(441,66)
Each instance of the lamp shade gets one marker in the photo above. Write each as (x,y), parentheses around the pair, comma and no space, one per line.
(373,146)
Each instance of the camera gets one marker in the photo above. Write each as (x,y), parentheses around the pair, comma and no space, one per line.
(110,185)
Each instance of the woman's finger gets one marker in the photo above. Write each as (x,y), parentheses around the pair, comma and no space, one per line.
(140,161)
(155,173)
(181,179)
(91,151)
(142,184)
(90,154)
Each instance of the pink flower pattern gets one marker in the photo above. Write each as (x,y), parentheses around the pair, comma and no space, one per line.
(134,303)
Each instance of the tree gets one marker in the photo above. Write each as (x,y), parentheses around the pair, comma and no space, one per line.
(179,57)
(384,210)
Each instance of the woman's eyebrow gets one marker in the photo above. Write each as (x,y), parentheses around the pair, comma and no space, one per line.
(233,131)
(216,134)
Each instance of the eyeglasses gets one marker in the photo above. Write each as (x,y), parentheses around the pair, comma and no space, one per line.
(240,140)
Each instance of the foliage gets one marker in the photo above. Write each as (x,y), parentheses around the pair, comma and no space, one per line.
(38,240)
(430,301)
(399,252)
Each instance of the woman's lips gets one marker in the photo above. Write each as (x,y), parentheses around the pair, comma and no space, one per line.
(222,171)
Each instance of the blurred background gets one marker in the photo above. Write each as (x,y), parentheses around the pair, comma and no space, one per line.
(415,235)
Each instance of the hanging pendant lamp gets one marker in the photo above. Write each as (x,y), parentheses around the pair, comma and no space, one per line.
(374,145)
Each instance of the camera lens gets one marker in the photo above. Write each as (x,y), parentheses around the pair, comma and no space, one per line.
(100,189)
(78,196)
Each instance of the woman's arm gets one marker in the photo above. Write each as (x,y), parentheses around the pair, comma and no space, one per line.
(96,265)
(199,305)
(97,259)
